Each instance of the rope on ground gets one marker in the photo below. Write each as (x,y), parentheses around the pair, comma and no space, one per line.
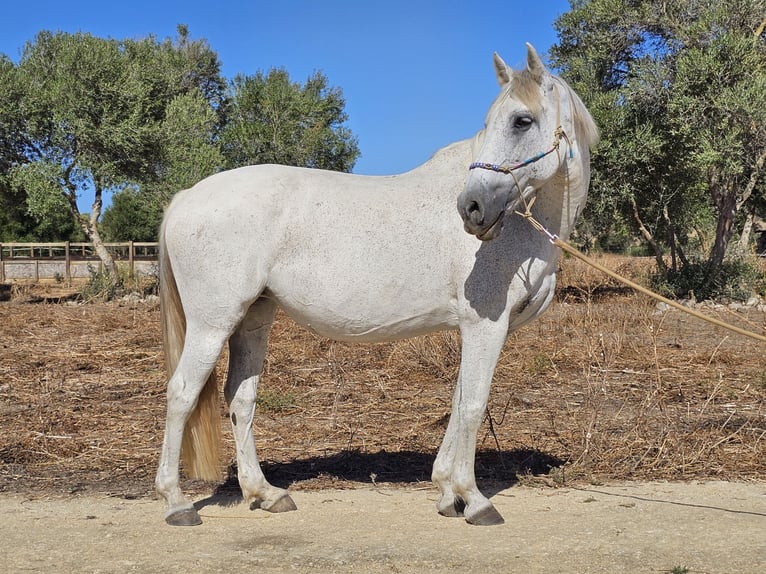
(558,242)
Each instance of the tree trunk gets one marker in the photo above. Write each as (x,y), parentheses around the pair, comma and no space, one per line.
(744,238)
(649,238)
(95,236)
(727,210)
(90,225)
(676,250)
(101,250)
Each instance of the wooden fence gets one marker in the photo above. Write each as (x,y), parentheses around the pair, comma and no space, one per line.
(67,261)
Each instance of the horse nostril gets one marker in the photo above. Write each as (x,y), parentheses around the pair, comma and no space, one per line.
(473,210)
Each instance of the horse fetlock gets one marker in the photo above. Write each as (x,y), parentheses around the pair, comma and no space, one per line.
(451,506)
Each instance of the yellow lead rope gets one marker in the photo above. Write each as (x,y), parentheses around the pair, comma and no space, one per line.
(527,214)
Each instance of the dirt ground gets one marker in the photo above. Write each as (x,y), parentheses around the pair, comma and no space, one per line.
(604,389)
(710,527)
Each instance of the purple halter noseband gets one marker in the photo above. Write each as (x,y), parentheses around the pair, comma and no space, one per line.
(508,169)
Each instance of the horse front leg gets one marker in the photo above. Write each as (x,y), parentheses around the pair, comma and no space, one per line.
(453,470)
(247,351)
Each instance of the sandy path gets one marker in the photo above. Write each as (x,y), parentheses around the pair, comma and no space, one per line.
(713,527)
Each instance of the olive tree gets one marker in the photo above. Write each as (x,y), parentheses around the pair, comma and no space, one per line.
(272,119)
(677,88)
(96,114)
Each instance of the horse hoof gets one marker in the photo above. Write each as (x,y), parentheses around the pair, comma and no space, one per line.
(486,517)
(185,517)
(283,504)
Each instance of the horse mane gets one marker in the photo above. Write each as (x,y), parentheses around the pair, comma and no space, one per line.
(586,130)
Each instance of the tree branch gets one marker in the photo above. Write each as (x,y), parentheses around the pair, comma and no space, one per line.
(753,180)
(648,237)
(674,245)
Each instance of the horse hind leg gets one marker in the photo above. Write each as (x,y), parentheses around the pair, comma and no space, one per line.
(200,353)
(247,351)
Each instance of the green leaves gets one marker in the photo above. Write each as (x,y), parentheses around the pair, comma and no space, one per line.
(189,150)
(143,119)
(275,120)
(677,89)
(42,181)
(133,216)
(88,103)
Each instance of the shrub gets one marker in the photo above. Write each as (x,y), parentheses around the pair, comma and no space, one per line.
(102,286)
(734,279)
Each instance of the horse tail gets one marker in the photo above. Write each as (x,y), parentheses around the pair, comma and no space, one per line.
(202,431)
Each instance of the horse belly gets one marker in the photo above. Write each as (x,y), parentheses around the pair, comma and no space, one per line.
(350,308)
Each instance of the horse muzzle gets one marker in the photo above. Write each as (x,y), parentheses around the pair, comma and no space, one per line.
(483,210)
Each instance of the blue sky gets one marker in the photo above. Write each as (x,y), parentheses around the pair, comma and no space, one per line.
(417,75)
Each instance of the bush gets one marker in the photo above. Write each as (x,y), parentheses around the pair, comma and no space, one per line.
(734,280)
(103,286)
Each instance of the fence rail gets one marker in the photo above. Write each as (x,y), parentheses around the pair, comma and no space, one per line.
(69,260)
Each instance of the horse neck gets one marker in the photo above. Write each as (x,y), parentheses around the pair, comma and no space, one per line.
(454,157)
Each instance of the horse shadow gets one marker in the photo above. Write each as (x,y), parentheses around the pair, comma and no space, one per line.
(495,471)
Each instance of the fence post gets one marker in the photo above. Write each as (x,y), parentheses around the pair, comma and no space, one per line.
(67,263)
(2,265)
(130,257)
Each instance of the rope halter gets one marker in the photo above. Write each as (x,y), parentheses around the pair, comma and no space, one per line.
(509,169)
(558,135)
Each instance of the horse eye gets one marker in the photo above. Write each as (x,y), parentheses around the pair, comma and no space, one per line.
(523,123)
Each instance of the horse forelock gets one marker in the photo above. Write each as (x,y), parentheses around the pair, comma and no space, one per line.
(524,87)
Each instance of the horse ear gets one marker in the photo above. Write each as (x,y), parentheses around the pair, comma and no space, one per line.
(535,65)
(502,71)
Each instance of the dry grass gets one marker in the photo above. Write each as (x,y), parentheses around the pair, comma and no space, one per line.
(598,388)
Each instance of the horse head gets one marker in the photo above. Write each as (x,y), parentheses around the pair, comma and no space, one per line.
(529,136)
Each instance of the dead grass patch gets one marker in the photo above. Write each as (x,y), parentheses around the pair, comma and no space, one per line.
(601,387)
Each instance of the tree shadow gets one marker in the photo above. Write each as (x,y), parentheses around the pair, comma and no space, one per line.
(495,470)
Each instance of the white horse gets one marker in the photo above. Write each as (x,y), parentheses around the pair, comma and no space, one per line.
(362,258)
